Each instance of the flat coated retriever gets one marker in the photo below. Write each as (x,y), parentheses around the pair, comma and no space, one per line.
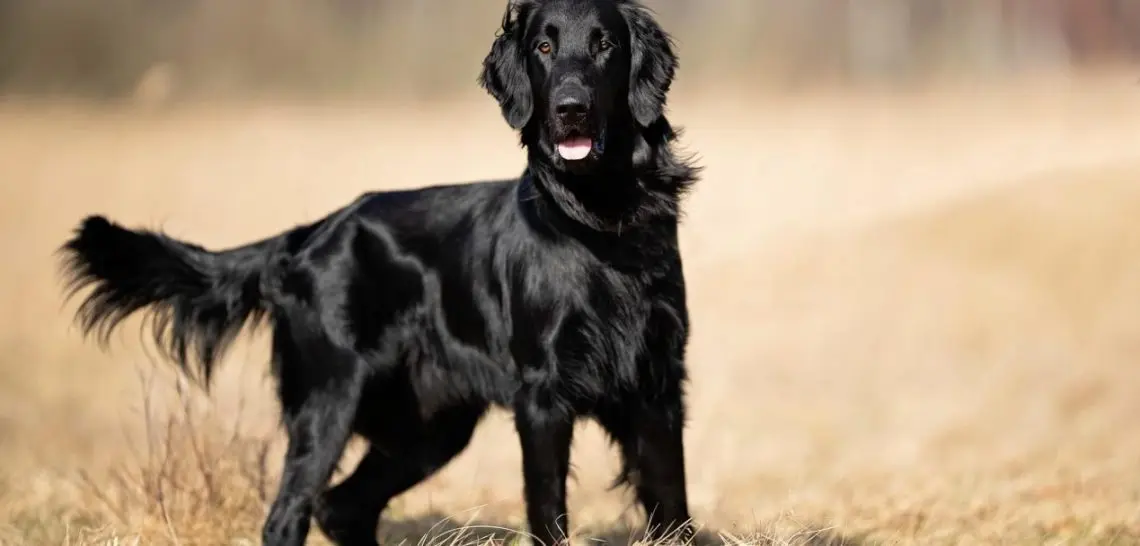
(405,315)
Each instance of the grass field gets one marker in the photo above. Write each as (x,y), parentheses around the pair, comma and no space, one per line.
(916,318)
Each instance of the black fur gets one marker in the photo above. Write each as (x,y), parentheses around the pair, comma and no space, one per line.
(403,316)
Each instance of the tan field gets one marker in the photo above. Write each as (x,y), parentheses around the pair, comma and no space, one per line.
(916,318)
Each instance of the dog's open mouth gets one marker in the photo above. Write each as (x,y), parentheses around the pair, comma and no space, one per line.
(575,147)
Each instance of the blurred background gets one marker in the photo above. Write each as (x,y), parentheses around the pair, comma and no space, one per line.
(913,259)
(107,48)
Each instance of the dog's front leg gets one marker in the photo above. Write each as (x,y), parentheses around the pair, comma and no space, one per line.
(545,433)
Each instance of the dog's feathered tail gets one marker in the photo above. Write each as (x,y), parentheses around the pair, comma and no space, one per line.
(197,301)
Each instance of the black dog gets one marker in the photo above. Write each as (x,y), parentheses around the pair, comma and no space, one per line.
(403,316)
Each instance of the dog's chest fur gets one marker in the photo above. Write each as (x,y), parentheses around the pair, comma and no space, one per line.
(579,329)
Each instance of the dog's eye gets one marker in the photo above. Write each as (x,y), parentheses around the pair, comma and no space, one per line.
(544,48)
(604,45)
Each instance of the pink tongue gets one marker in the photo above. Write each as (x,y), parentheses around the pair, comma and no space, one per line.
(575,148)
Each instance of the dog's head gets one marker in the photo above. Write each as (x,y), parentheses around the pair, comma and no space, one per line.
(573,75)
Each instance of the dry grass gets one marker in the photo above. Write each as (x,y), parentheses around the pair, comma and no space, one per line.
(915,319)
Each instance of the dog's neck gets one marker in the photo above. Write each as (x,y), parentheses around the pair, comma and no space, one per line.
(640,182)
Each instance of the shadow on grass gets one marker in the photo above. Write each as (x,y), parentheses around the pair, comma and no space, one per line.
(439,530)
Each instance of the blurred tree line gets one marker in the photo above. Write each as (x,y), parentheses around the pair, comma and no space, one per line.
(108,48)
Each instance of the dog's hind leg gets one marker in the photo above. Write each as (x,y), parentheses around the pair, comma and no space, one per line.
(319,384)
(350,512)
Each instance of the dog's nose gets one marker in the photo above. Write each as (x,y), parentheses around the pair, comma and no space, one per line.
(572,108)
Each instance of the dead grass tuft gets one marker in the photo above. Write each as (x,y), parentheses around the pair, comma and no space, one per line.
(186,474)
(194,476)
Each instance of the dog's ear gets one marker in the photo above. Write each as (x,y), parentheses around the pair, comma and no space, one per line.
(652,64)
(504,73)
